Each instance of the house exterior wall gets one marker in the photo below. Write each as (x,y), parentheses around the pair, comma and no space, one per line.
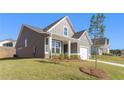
(105,48)
(35,44)
(101,49)
(84,42)
(58,30)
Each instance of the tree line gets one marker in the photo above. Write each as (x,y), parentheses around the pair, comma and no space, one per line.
(116,52)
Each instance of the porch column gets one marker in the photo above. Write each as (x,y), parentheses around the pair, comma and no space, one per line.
(50,46)
(69,48)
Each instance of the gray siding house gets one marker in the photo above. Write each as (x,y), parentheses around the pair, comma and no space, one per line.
(100,46)
(57,38)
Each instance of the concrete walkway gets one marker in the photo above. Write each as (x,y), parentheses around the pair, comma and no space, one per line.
(110,63)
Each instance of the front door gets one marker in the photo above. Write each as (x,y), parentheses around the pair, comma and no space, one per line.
(65,48)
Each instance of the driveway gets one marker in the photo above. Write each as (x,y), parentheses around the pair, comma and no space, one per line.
(110,63)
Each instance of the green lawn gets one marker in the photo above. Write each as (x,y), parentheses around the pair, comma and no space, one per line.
(113,72)
(38,69)
(115,59)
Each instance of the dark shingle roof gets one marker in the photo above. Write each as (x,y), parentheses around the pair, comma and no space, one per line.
(78,34)
(51,25)
(37,29)
(100,41)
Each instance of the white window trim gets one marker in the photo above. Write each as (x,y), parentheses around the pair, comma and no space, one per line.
(26,42)
(55,46)
(63,31)
(46,52)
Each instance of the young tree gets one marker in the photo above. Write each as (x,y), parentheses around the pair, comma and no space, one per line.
(97,27)
(96,30)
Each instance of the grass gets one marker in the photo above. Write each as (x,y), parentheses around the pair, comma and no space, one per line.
(39,69)
(114,59)
(113,72)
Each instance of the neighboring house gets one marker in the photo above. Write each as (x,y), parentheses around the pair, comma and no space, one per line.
(7,48)
(8,43)
(100,46)
(122,52)
(59,37)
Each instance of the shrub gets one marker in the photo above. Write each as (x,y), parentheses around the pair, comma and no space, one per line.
(66,56)
(108,54)
(61,56)
(75,57)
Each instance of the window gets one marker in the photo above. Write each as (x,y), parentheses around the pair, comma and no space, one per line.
(46,41)
(8,44)
(25,42)
(56,46)
(53,46)
(46,45)
(65,31)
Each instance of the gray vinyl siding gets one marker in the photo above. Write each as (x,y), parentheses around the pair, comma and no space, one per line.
(35,41)
(104,48)
(84,42)
(58,30)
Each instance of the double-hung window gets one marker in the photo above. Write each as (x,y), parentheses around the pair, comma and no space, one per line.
(65,31)
(56,46)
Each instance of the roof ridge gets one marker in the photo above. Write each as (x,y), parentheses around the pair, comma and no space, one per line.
(78,34)
(28,25)
(52,24)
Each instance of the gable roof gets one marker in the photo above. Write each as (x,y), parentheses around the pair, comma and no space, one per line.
(57,22)
(37,29)
(52,24)
(100,41)
(40,30)
(77,35)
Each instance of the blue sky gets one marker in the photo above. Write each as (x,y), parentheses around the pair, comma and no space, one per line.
(10,24)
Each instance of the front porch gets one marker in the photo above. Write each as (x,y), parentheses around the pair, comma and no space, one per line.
(56,45)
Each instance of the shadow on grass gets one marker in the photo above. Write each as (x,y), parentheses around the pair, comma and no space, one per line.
(39,61)
(15,58)
(48,62)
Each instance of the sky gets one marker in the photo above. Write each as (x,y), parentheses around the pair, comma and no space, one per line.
(10,24)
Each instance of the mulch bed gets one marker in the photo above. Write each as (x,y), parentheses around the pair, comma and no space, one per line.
(66,60)
(98,73)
